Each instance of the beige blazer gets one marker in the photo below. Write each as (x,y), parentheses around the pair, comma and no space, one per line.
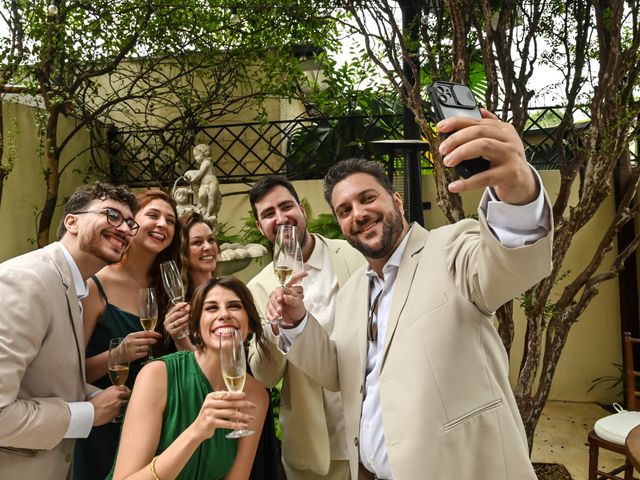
(305,438)
(448,409)
(41,364)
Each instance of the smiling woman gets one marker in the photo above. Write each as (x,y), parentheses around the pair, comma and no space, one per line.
(111,310)
(180,410)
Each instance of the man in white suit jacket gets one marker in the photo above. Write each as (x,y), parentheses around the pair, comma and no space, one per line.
(313,437)
(45,402)
(422,372)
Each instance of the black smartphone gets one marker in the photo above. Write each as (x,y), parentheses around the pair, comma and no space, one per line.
(454,99)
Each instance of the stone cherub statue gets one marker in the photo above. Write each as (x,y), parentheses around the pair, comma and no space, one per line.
(204,188)
(182,196)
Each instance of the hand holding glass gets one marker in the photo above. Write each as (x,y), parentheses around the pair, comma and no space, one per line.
(148,309)
(173,285)
(287,255)
(118,364)
(234,368)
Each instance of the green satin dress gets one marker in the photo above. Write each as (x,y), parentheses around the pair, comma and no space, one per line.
(187,387)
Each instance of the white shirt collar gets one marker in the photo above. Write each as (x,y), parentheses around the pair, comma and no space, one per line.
(394,259)
(317,255)
(78,281)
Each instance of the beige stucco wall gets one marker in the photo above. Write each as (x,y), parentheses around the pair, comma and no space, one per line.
(25,189)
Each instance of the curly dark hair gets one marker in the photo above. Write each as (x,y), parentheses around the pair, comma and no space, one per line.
(239,288)
(97,191)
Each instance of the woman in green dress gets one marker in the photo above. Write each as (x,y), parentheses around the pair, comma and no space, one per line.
(180,410)
(198,259)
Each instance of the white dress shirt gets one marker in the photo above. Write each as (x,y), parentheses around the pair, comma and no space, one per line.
(82,413)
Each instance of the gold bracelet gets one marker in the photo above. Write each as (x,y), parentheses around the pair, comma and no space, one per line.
(154,475)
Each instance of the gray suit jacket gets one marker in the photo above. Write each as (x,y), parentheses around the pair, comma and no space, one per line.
(41,364)
(305,438)
(447,406)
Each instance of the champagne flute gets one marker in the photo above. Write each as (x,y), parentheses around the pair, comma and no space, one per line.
(287,255)
(148,308)
(118,365)
(173,285)
(234,368)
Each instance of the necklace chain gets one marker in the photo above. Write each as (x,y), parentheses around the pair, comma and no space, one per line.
(134,277)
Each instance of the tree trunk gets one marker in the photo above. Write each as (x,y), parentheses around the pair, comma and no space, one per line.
(504,316)
(52,177)
(4,171)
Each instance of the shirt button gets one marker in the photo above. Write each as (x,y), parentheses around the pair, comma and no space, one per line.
(67,458)
(355,442)
(361,388)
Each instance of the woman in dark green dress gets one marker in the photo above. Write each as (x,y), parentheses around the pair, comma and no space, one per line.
(111,310)
(198,258)
(180,410)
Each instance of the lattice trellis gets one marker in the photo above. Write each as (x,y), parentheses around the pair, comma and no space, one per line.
(301,148)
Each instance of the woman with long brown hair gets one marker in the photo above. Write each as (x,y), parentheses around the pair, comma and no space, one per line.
(198,259)
(111,310)
(180,409)
(198,252)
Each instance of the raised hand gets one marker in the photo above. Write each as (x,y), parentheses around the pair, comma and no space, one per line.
(176,321)
(109,403)
(221,409)
(499,143)
(138,343)
(287,302)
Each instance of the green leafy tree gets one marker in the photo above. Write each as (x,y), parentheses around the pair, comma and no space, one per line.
(157,65)
(12,52)
(593,48)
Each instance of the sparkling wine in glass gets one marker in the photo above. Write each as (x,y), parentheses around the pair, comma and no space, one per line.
(118,365)
(173,285)
(148,309)
(287,255)
(234,368)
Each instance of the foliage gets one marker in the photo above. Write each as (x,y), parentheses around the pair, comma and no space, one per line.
(340,109)
(614,380)
(171,66)
(275,408)
(592,49)
(8,151)
(313,148)
(326,225)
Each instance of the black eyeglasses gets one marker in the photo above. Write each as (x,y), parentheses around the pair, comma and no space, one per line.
(372,327)
(115,218)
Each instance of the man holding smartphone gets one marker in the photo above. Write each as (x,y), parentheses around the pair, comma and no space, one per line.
(422,371)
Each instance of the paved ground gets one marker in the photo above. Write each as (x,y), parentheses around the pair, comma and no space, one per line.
(561,437)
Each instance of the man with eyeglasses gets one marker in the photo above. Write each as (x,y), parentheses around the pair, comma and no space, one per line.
(45,403)
(422,371)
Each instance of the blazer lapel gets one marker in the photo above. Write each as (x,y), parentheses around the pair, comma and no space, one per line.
(338,263)
(73,306)
(404,280)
